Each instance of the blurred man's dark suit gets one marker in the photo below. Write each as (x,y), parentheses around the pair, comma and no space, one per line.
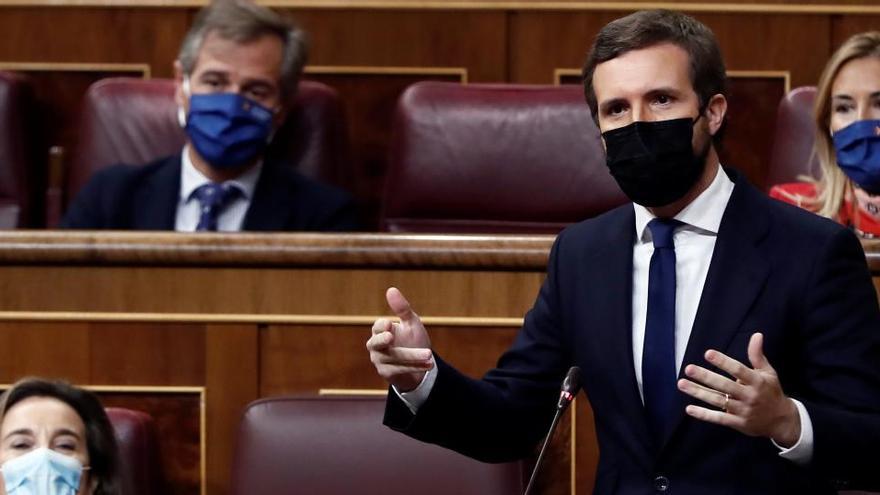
(126,197)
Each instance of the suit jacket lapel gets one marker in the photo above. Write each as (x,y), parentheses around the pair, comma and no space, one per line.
(737,274)
(615,261)
(271,205)
(155,204)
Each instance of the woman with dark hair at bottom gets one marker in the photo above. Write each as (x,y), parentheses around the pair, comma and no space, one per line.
(55,439)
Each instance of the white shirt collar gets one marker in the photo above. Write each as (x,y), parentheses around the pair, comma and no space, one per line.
(191,179)
(702,214)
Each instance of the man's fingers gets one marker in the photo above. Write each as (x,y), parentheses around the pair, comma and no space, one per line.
(705,394)
(718,417)
(733,367)
(399,304)
(714,381)
(756,352)
(405,356)
(391,370)
(380,341)
(381,325)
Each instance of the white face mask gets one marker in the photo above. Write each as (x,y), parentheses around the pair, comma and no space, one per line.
(42,472)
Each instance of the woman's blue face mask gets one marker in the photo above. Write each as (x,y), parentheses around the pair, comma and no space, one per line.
(857,148)
(42,472)
(226,129)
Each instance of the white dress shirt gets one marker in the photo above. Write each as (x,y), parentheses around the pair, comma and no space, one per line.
(694,245)
(231,217)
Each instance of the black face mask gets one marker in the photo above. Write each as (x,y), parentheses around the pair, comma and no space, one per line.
(654,162)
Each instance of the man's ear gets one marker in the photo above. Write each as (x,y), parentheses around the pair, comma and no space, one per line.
(179,97)
(280,116)
(715,112)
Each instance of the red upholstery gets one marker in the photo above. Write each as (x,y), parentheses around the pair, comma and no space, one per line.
(124,120)
(16,151)
(495,158)
(793,141)
(138,451)
(338,446)
(134,121)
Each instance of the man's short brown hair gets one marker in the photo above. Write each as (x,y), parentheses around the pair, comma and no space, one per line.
(647,28)
(243,21)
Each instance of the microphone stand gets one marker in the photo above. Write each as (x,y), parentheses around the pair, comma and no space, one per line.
(570,388)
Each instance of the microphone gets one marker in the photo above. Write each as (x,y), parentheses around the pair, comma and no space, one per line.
(570,387)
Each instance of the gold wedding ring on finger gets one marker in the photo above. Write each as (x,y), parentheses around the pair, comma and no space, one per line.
(726,402)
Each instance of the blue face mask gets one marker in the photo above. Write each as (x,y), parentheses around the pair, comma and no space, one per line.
(42,472)
(858,153)
(226,129)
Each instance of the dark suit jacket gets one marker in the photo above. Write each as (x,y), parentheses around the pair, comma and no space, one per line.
(125,197)
(800,279)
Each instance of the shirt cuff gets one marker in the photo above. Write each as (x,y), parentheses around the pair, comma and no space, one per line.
(801,453)
(417,396)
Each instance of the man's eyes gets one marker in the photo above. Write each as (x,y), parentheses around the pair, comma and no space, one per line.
(257,94)
(615,109)
(216,85)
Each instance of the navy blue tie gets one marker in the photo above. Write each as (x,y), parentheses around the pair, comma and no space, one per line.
(212,199)
(658,357)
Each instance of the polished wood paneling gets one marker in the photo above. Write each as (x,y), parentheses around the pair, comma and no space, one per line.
(179,427)
(46,349)
(249,250)
(842,27)
(799,44)
(296,358)
(473,40)
(751,119)
(94,35)
(541,42)
(234,291)
(544,41)
(231,382)
(759,6)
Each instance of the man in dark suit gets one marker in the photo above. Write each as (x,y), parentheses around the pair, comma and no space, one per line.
(728,344)
(237,72)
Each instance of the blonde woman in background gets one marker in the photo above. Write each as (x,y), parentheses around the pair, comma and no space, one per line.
(847,117)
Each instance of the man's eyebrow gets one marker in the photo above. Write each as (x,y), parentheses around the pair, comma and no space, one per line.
(258,82)
(214,73)
(843,97)
(609,103)
(664,91)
